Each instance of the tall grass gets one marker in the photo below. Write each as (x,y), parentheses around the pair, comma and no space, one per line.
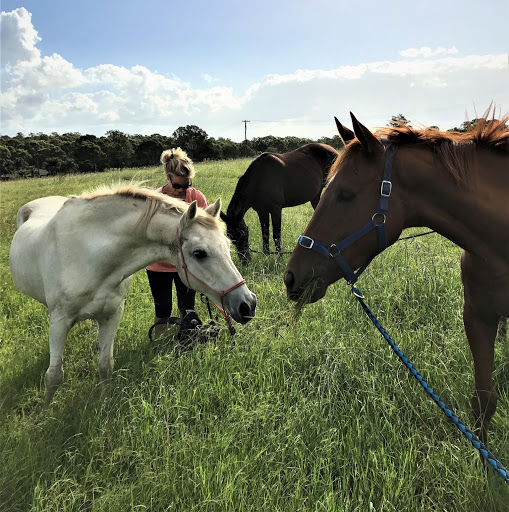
(312,413)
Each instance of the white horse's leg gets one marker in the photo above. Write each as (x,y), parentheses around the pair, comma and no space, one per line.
(107,330)
(59,328)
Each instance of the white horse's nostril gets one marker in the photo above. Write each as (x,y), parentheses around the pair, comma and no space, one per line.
(247,308)
(244,309)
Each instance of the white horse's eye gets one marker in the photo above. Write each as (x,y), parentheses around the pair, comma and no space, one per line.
(199,254)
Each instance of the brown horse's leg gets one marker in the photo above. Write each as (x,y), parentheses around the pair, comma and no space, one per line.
(481,323)
(264,223)
(276,229)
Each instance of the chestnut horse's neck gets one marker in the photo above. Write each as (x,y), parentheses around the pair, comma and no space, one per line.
(473,214)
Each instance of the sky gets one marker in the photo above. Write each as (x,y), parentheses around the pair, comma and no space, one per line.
(286,66)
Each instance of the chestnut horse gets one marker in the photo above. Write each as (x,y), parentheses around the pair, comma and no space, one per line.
(454,183)
(273,182)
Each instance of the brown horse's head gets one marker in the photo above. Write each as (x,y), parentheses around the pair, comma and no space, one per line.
(348,203)
(238,232)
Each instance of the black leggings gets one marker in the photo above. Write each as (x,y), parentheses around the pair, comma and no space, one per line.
(161,287)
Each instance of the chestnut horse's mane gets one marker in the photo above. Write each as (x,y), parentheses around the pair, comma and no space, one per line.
(455,150)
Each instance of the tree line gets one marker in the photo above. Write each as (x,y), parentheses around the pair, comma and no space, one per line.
(41,154)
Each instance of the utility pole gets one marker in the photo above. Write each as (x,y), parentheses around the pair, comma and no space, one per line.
(245,129)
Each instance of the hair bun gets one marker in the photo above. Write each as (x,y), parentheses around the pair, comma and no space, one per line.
(174,153)
(176,161)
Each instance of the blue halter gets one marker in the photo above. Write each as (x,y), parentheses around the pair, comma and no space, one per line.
(334,251)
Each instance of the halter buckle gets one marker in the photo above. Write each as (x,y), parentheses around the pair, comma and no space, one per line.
(386,188)
(305,241)
(336,250)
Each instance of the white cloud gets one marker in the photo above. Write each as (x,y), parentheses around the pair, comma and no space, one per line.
(18,37)
(427,91)
(426,51)
(209,78)
(49,94)
(431,86)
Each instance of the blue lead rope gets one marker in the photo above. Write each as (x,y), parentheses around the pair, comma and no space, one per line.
(476,442)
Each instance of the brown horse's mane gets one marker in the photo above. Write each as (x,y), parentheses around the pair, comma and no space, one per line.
(154,201)
(454,149)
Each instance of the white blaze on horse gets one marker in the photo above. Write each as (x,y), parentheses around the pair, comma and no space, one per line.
(77,255)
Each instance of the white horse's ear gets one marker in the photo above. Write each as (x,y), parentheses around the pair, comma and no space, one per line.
(189,215)
(214,209)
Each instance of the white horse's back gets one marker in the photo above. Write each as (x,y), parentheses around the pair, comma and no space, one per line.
(40,210)
(26,245)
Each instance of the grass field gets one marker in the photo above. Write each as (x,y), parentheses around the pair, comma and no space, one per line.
(291,414)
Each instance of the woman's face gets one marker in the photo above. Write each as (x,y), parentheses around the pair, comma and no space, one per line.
(177,186)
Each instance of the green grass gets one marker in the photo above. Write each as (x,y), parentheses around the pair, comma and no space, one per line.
(313,413)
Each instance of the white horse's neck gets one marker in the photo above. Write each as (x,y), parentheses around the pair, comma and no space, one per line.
(117,240)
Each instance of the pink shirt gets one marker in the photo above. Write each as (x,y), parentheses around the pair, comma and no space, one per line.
(191,195)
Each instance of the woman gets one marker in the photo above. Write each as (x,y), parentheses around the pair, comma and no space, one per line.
(179,172)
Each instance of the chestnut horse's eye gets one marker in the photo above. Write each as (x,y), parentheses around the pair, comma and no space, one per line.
(199,254)
(345,196)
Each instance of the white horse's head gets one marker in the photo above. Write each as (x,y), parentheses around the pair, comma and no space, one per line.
(204,263)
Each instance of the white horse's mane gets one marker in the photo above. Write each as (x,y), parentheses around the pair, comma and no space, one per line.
(154,201)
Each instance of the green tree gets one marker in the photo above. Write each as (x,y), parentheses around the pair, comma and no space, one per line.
(41,149)
(246,150)
(194,141)
(7,163)
(148,152)
(57,165)
(467,126)
(225,149)
(21,162)
(336,142)
(291,143)
(118,148)
(88,154)
(399,120)
(261,144)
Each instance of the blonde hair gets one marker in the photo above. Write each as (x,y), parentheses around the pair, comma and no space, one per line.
(177,163)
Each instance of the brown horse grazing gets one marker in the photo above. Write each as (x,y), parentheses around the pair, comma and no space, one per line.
(273,182)
(454,183)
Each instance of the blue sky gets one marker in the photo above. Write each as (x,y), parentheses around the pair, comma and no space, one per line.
(287,66)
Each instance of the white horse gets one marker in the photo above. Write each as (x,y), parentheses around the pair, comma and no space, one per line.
(77,255)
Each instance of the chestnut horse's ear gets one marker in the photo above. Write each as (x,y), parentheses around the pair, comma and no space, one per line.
(345,133)
(214,209)
(370,143)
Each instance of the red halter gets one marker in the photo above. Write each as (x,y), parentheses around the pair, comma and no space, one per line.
(220,293)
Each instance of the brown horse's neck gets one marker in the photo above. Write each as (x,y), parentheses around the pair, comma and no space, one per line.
(473,215)
(238,206)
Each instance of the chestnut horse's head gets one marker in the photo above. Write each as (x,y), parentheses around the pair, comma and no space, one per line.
(350,202)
